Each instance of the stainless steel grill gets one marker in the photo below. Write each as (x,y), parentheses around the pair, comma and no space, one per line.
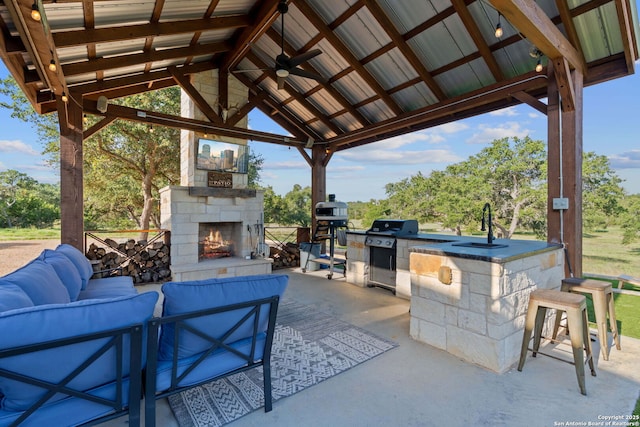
(381,239)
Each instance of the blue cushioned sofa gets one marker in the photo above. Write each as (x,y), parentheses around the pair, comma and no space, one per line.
(71,348)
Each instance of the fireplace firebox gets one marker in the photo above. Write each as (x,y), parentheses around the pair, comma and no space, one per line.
(218,239)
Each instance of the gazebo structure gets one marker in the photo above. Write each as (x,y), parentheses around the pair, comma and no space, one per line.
(335,74)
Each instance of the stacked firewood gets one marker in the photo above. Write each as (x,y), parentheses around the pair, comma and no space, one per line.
(145,263)
(285,256)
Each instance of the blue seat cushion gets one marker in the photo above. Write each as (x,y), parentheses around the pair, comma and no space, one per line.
(217,364)
(185,297)
(79,260)
(51,322)
(66,271)
(108,287)
(40,282)
(13,297)
(69,411)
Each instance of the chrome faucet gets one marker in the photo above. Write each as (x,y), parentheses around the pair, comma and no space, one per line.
(486,207)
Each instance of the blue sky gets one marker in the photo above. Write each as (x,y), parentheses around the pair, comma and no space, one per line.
(611,128)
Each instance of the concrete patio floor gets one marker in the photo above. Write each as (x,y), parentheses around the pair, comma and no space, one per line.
(419,385)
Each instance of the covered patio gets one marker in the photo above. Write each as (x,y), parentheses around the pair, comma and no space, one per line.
(418,385)
(335,75)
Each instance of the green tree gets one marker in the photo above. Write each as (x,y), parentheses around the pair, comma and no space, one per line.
(128,162)
(601,192)
(630,219)
(297,207)
(511,176)
(24,202)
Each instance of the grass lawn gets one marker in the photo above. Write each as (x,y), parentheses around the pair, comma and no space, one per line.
(8,234)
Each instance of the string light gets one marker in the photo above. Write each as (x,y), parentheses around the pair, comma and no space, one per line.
(499,31)
(539,65)
(85,119)
(52,65)
(64,97)
(35,12)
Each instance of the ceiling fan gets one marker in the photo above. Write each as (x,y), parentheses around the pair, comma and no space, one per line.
(286,65)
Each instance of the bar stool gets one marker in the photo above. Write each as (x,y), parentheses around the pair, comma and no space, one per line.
(575,306)
(602,295)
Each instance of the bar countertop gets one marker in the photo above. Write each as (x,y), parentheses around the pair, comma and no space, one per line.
(448,244)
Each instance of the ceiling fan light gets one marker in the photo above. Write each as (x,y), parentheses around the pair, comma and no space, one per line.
(282,73)
(35,12)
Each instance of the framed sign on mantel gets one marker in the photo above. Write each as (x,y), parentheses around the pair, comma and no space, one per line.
(219,179)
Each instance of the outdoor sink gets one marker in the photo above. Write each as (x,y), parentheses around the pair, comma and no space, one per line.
(480,245)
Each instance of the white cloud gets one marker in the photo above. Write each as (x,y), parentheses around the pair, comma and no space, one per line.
(449,128)
(400,157)
(534,115)
(286,165)
(509,111)
(505,130)
(626,160)
(17,146)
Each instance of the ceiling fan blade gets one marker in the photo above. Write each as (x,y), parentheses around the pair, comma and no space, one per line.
(304,57)
(307,74)
(281,81)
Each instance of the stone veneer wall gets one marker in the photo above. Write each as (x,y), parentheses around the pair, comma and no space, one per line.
(480,316)
(181,213)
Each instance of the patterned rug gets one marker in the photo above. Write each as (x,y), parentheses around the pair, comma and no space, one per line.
(308,347)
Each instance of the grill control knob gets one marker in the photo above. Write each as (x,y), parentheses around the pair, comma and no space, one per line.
(388,242)
(378,241)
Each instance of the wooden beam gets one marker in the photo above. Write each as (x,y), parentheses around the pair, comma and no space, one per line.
(265,14)
(535,25)
(106,121)
(565,84)
(408,53)
(472,28)
(195,96)
(103,64)
(451,106)
(531,101)
(64,39)
(254,100)
(629,45)
(344,51)
(177,122)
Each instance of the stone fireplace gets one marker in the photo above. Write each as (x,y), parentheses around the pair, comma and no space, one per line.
(214,230)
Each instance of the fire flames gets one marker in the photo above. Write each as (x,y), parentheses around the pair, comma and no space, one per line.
(214,246)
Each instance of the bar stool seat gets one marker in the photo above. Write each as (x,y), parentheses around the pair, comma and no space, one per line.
(575,305)
(603,305)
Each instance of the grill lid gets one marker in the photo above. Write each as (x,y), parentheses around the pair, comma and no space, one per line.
(394,227)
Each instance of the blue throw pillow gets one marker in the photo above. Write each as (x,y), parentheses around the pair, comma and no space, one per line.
(184,297)
(66,271)
(52,322)
(40,282)
(79,260)
(12,297)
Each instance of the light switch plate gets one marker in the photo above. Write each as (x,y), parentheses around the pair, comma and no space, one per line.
(560,203)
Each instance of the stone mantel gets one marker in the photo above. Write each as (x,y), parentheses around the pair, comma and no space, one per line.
(244,193)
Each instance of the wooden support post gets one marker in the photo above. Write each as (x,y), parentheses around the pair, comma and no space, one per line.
(572,166)
(564,174)
(71,173)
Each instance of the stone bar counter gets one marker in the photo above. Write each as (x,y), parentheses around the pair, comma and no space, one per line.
(472,301)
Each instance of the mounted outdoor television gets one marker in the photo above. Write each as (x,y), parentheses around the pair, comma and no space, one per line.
(222,156)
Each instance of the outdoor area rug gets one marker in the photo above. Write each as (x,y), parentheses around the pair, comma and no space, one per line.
(308,347)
